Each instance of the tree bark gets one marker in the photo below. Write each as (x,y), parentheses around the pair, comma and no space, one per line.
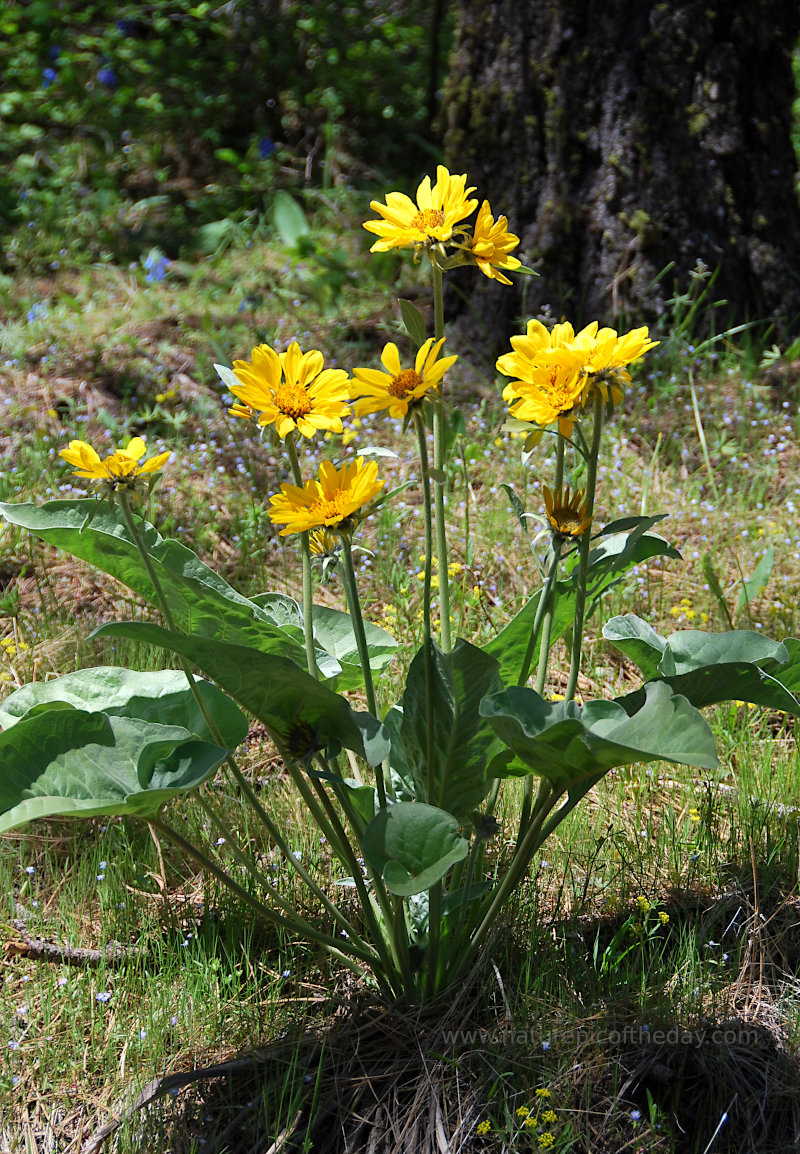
(621,136)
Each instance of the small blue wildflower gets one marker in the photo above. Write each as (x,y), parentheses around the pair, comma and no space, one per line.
(102,864)
(30,869)
(104,996)
(266,147)
(13,1045)
(156,266)
(49,75)
(143,1033)
(38,309)
(286,973)
(108,78)
(101,877)
(636,1115)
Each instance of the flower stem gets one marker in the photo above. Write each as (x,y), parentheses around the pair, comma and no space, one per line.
(308,585)
(586,544)
(543,610)
(357,621)
(439,475)
(419,425)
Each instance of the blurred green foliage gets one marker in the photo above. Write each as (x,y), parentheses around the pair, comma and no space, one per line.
(133,126)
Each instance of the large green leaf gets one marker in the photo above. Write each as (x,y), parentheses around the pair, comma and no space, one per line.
(620,546)
(573,746)
(69,762)
(162,696)
(300,713)
(412,846)
(708,668)
(333,631)
(463,743)
(200,601)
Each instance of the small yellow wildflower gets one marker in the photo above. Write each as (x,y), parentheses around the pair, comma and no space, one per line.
(549,391)
(431,221)
(491,244)
(543,1092)
(484,1127)
(531,1122)
(291,391)
(332,501)
(643,905)
(121,468)
(694,814)
(523,1111)
(637,929)
(546,1141)
(663,918)
(548,1118)
(399,390)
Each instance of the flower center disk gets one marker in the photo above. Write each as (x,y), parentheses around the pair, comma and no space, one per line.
(404,383)
(293,400)
(428,218)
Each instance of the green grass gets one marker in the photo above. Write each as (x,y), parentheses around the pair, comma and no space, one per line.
(575,982)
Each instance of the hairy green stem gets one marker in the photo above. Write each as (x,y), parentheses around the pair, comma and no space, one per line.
(586,544)
(308,584)
(439,475)
(419,425)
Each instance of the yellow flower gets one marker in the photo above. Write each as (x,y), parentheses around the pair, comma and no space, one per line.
(549,1117)
(546,1141)
(291,390)
(427,222)
(663,918)
(523,1111)
(643,905)
(608,356)
(331,501)
(121,468)
(567,514)
(550,390)
(529,346)
(399,389)
(491,244)
(543,1092)
(484,1127)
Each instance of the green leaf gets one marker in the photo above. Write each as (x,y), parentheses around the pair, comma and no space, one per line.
(574,746)
(414,323)
(161,696)
(292,705)
(463,743)
(616,552)
(200,601)
(517,507)
(715,586)
(227,376)
(412,846)
(69,763)
(637,640)
(755,585)
(708,668)
(509,646)
(289,219)
(333,630)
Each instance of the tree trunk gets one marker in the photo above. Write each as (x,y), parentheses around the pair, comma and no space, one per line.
(621,136)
